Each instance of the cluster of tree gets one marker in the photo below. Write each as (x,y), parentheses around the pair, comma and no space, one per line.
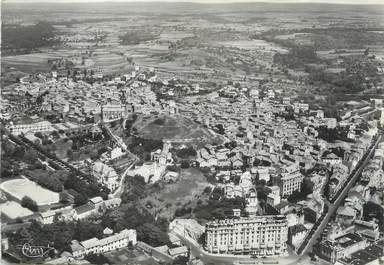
(331,135)
(27,202)
(61,63)
(184,164)
(149,230)
(12,154)
(135,189)
(8,169)
(186,152)
(352,80)
(58,234)
(136,37)
(217,206)
(129,123)
(51,180)
(143,147)
(341,82)
(81,140)
(344,38)
(219,128)
(229,145)
(85,189)
(297,57)
(180,260)
(328,38)
(173,168)
(209,175)
(183,212)
(97,259)
(27,38)
(151,234)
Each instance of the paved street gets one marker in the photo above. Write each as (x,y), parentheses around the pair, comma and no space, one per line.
(321,223)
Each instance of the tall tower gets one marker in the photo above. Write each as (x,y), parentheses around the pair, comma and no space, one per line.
(254,107)
(166,146)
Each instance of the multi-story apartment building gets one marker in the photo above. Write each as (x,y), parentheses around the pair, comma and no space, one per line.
(290,182)
(260,236)
(106,244)
(42,126)
(340,247)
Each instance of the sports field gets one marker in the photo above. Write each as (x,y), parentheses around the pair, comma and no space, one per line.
(18,188)
(13,210)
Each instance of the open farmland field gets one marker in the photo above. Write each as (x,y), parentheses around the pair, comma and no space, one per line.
(34,62)
(108,61)
(30,63)
(18,188)
(197,43)
(174,35)
(253,45)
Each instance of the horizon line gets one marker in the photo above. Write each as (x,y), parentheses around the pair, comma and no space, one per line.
(230,2)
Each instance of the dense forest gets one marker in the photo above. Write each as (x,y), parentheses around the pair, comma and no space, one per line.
(297,57)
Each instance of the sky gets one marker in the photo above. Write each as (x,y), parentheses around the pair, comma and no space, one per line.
(211,1)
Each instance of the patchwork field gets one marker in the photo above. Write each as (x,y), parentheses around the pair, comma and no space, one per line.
(36,62)
(30,63)
(18,188)
(253,45)
(174,35)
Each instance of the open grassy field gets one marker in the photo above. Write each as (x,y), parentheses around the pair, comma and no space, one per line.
(34,62)
(29,63)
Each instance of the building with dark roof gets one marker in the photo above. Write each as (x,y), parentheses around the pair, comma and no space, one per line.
(341,247)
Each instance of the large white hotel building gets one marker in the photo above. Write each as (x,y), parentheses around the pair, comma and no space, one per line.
(259,236)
